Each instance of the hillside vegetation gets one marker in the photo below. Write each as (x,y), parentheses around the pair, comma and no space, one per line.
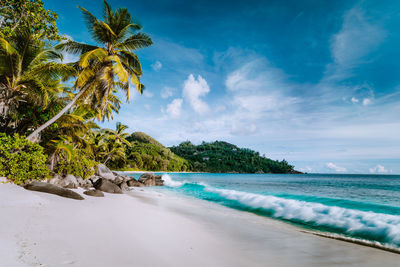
(146,153)
(224,157)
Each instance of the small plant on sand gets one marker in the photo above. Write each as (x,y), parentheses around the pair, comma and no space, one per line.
(21,160)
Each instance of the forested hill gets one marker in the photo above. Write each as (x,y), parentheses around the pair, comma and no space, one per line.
(146,153)
(224,157)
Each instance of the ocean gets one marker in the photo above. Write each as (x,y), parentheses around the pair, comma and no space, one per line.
(363,207)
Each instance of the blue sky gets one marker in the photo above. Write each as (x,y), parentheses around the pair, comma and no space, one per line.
(314,82)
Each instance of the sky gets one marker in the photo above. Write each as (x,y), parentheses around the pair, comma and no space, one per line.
(314,82)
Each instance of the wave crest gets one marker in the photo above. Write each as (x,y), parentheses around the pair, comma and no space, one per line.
(381,227)
(384,228)
(171,183)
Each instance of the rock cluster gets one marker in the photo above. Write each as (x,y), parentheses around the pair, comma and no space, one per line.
(103,181)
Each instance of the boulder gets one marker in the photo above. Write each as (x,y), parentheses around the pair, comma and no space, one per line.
(122,178)
(69,181)
(107,186)
(124,186)
(133,182)
(159,182)
(94,193)
(105,172)
(118,179)
(146,176)
(149,182)
(53,189)
(56,180)
(84,183)
(94,179)
(149,179)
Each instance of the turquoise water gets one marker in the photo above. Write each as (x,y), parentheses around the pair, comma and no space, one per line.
(359,206)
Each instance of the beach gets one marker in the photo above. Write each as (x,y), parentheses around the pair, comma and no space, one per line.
(145,227)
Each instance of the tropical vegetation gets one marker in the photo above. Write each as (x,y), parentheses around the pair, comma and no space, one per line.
(21,160)
(145,153)
(224,157)
(58,104)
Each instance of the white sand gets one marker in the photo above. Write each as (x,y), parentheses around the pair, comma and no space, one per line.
(151,228)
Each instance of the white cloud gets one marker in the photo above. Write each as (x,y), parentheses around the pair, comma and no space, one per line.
(350,47)
(378,169)
(167,92)
(175,107)
(336,168)
(243,128)
(354,100)
(148,94)
(193,90)
(357,38)
(366,101)
(258,91)
(156,66)
(147,106)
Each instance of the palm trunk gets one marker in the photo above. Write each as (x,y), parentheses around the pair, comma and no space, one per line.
(108,158)
(33,137)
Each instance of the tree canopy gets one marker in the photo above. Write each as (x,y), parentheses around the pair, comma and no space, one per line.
(224,157)
(28,14)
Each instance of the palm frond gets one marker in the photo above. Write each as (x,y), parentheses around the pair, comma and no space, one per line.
(75,47)
(7,47)
(135,42)
(93,55)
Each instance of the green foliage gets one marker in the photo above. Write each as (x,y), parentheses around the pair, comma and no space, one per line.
(17,14)
(145,153)
(225,157)
(21,160)
(111,65)
(78,165)
(30,88)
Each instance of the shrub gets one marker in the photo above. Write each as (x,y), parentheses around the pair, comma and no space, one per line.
(21,160)
(78,165)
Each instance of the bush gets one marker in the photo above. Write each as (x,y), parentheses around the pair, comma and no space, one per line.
(21,160)
(79,165)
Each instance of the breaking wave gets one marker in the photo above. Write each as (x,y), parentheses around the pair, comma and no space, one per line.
(171,183)
(379,227)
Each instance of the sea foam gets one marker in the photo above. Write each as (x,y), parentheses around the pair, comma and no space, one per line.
(171,183)
(381,227)
(384,228)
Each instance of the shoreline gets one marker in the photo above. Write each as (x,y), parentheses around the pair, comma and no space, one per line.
(148,227)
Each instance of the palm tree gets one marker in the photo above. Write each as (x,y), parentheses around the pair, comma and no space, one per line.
(108,66)
(115,141)
(118,136)
(63,149)
(114,152)
(29,74)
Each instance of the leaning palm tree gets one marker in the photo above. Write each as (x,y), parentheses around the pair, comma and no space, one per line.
(108,66)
